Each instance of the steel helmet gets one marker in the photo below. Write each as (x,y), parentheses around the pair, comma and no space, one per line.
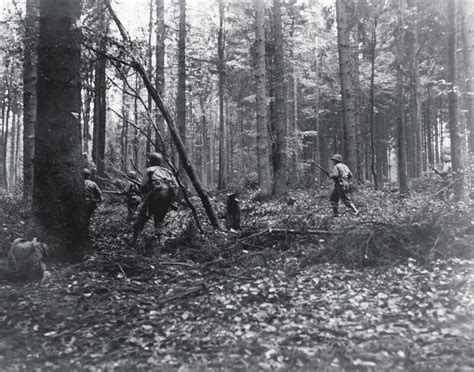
(446,158)
(155,158)
(132,174)
(337,157)
(86,172)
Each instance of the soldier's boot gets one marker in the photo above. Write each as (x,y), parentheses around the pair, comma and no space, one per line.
(335,211)
(354,209)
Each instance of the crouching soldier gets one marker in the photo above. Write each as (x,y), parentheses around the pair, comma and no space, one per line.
(26,259)
(159,187)
(93,195)
(133,195)
(341,175)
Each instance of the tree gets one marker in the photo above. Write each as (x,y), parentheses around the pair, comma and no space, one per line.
(30,78)
(280,186)
(456,130)
(400,102)
(347,89)
(58,207)
(468,59)
(100,88)
(181,96)
(221,71)
(263,170)
(160,65)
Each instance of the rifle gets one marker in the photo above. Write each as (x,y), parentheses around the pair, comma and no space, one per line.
(435,170)
(132,180)
(324,170)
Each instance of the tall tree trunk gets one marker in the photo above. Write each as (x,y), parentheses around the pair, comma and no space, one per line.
(263,170)
(181,97)
(468,58)
(279,156)
(429,128)
(456,129)
(347,89)
(6,127)
(58,208)
(149,71)
(124,132)
(221,182)
(160,66)
(30,78)
(12,151)
(373,139)
(98,148)
(401,142)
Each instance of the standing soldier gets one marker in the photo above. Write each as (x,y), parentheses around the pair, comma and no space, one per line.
(133,195)
(446,176)
(93,195)
(159,187)
(341,175)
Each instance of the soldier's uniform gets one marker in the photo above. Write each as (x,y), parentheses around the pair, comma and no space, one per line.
(341,174)
(159,187)
(133,196)
(26,259)
(446,175)
(93,195)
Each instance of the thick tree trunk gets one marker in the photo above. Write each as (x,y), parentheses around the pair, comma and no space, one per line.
(150,69)
(263,170)
(373,138)
(181,96)
(456,129)
(468,58)
(30,78)
(221,182)
(279,156)
(58,208)
(347,89)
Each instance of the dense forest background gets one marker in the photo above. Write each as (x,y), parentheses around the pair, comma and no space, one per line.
(255,88)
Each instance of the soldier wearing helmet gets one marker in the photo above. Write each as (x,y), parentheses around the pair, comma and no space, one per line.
(159,187)
(341,174)
(93,194)
(133,195)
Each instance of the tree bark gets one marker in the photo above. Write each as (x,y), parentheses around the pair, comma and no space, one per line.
(373,153)
(456,129)
(100,106)
(30,78)
(221,181)
(181,96)
(58,207)
(401,141)
(468,58)
(347,89)
(160,66)
(263,170)
(279,156)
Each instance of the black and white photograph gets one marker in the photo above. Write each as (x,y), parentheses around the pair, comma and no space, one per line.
(237,185)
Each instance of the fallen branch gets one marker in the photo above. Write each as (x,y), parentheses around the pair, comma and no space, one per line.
(302,232)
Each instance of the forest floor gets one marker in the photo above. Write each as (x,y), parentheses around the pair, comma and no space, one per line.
(295,290)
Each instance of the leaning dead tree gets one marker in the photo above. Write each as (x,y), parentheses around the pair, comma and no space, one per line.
(188,167)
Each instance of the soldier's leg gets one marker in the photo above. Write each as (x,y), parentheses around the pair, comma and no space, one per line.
(334,200)
(348,202)
(140,222)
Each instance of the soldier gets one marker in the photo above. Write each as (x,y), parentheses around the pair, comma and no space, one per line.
(159,188)
(133,195)
(89,164)
(341,175)
(93,194)
(446,176)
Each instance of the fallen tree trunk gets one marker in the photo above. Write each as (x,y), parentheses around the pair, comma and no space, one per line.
(188,167)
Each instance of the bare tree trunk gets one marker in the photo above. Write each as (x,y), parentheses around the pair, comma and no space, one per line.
(456,129)
(401,144)
(468,59)
(150,69)
(279,156)
(221,182)
(263,170)
(30,78)
(181,97)
(58,208)
(124,132)
(347,90)
(372,108)
(11,182)
(160,65)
